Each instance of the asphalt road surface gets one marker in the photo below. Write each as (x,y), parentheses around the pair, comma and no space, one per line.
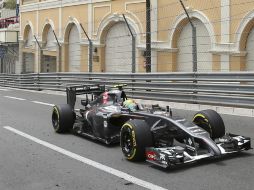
(34,157)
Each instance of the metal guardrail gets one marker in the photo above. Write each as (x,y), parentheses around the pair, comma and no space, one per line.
(227,89)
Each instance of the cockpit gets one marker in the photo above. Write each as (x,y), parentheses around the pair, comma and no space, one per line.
(109,98)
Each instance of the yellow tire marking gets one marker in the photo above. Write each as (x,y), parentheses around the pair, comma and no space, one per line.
(205,119)
(133,140)
(200,115)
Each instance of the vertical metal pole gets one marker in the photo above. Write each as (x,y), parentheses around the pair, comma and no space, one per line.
(194,40)
(133,65)
(59,58)
(90,67)
(41,62)
(59,52)
(90,64)
(194,48)
(41,54)
(148,36)
(133,55)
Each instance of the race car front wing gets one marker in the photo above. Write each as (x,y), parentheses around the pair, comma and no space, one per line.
(175,155)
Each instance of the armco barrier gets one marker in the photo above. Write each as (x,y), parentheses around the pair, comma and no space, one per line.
(225,89)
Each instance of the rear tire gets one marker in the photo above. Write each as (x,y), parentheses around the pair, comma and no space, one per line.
(135,136)
(62,118)
(210,121)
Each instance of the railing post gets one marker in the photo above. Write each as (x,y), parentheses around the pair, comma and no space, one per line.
(194,51)
(40,54)
(38,82)
(90,69)
(194,40)
(133,64)
(59,53)
(90,66)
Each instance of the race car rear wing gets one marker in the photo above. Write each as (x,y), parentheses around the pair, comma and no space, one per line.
(73,91)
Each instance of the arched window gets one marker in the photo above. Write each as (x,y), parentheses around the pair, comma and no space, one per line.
(118,49)
(74,50)
(184,45)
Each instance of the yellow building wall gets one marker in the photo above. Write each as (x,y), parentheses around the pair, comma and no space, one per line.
(99,64)
(25,2)
(238,10)
(166,61)
(51,14)
(26,18)
(84,59)
(237,63)
(28,50)
(79,12)
(138,9)
(99,13)
(106,9)
(216,66)
(65,55)
(170,9)
(141,62)
(50,53)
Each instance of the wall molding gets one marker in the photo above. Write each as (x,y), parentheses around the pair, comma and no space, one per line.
(56,4)
(242,26)
(95,31)
(142,31)
(193,14)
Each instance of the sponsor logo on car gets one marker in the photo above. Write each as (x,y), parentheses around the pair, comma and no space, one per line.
(151,155)
(162,157)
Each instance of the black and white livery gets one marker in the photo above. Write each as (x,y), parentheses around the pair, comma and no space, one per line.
(145,133)
(99,118)
(166,141)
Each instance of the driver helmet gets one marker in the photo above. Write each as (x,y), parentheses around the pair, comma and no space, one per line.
(130,104)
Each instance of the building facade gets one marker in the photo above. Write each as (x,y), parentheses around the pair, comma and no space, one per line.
(9,45)
(52,38)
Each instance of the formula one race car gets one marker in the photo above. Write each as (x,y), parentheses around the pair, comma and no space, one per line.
(101,116)
(163,140)
(145,133)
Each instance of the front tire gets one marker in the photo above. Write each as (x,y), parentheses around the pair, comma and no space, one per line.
(211,121)
(62,118)
(135,136)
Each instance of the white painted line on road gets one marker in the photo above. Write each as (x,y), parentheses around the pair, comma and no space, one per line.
(3,89)
(42,103)
(15,98)
(50,92)
(87,161)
